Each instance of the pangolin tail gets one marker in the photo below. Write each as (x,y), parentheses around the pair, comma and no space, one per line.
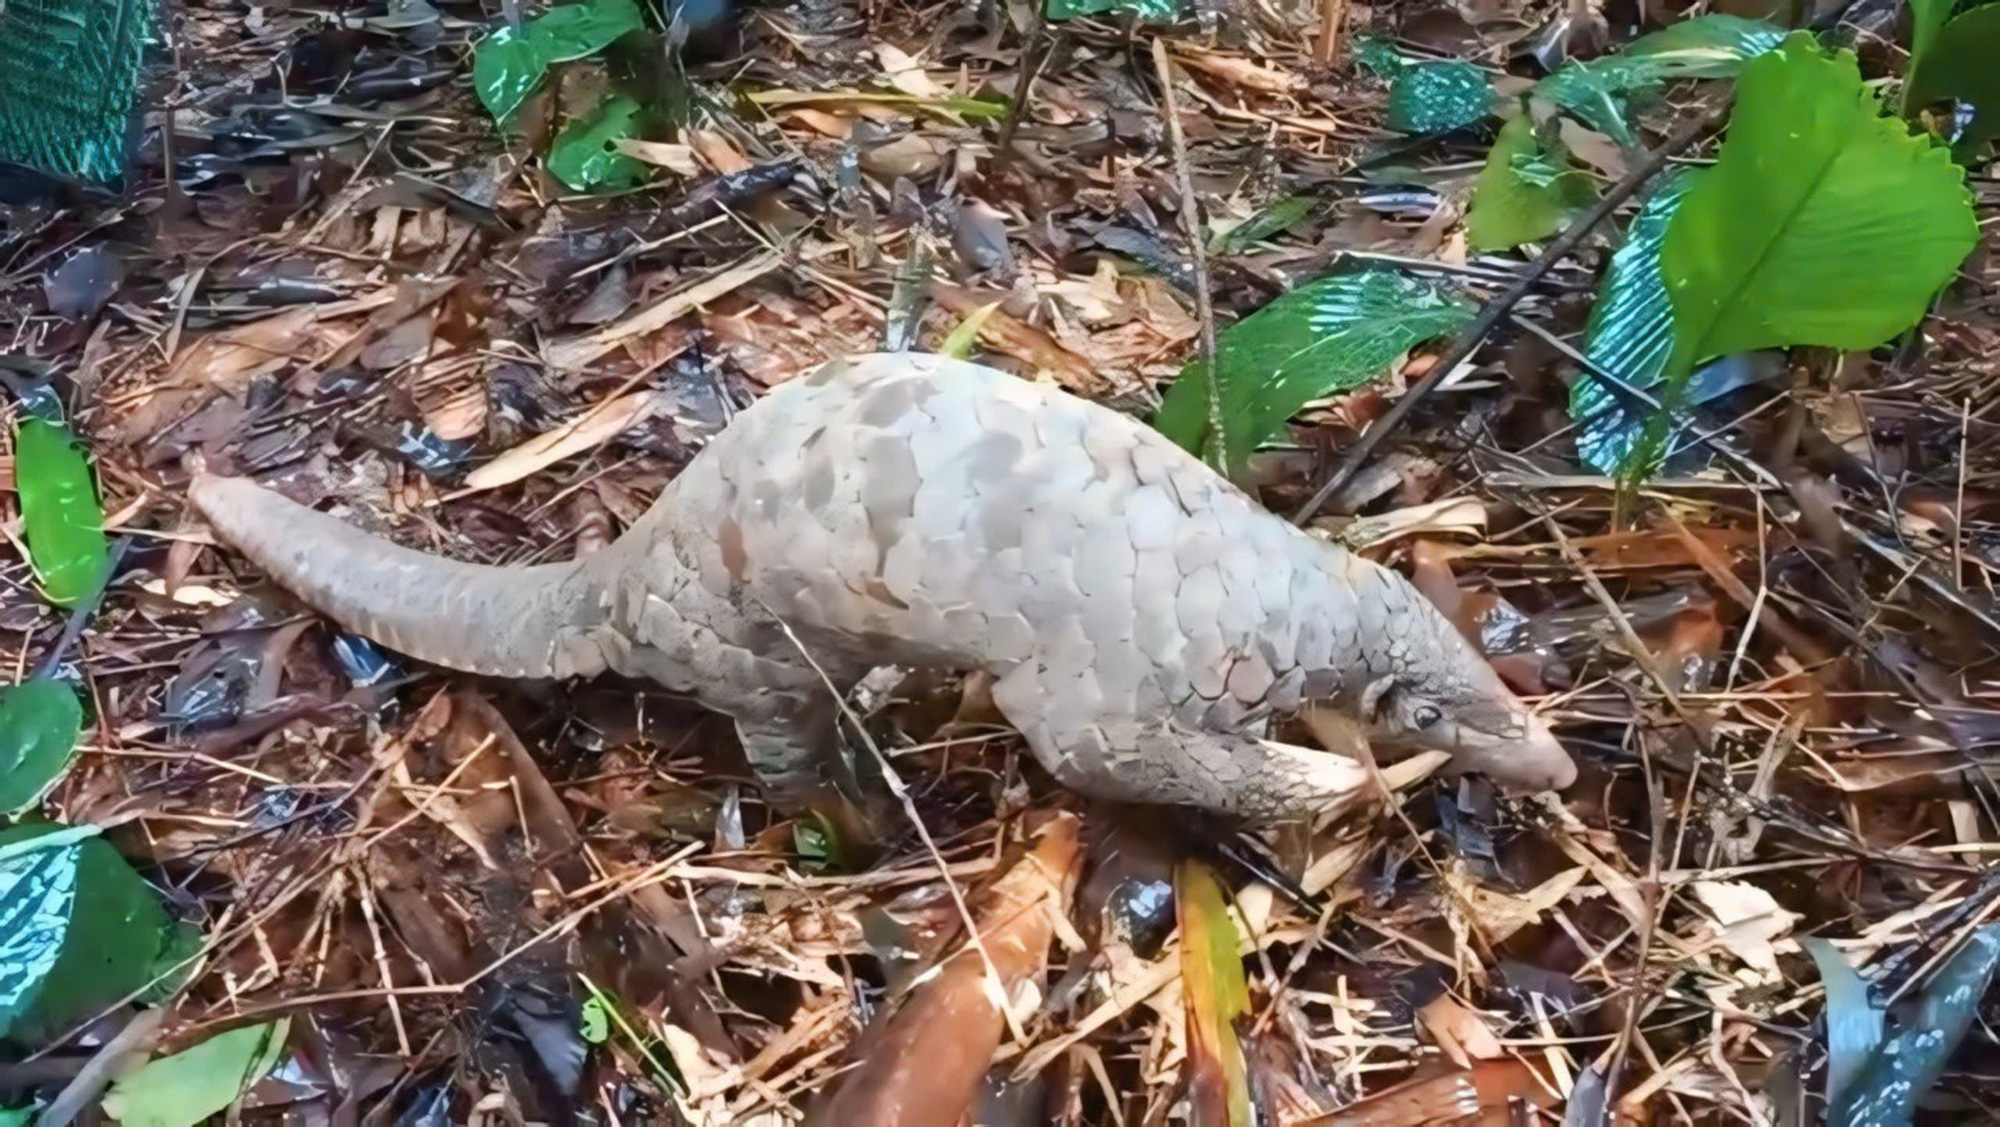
(497,621)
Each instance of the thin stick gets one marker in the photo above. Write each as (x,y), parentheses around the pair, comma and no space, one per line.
(1191,219)
(1498,308)
(1332,13)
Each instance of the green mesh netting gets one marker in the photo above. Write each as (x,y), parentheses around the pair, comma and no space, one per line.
(69,78)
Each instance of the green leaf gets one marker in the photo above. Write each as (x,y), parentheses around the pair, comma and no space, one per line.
(506,67)
(78,929)
(964,336)
(185,1089)
(39,725)
(1150,11)
(1711,46)
(576,31)
(1960,65)
(586,156)
(1282,215)
(1853,1021)
(1822,222)
(59,511)
(1525,191)
(595,1025)
(1438,97)
(16,1116)
(1216,995)
(1927,20)
(1332,335)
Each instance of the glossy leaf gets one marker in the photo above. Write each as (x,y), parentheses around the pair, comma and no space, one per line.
(576,31)
(186,1088)
(60,513)
(1710,46)
(1822,223)
(1907,1064)
(16,1116)
(1526,190)
(1281,216)
(1333,335)
(506,67)
(1438,97)
(1216,995)
(1853,1021)
(586,156)
(1630,332)
(78,929)
(1958,63)
(1151,11)
(39,724)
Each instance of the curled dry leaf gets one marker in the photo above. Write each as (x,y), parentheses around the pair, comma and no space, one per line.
(1242,72)
(1460,1032)
(920,1063)
(597,425)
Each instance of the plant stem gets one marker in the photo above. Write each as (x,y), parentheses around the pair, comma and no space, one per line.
(1191,220)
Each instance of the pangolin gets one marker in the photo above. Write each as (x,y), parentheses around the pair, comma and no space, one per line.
(1143,618)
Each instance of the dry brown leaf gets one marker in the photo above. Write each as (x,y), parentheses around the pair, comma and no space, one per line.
(1241,72)
(599,424)
(677,159)
(231,358)
(1748,922)
(906,74)
(1498,915)
(920,1063)
(1485,1089)
(1024,342)
(1460,1032)
(576,352)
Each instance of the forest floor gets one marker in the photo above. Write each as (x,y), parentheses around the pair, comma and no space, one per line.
(492,902)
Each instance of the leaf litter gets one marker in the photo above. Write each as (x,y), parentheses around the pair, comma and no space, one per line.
(307,879)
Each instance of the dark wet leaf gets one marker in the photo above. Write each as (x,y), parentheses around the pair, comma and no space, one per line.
(213,683)
(586,156)
(506,67)
(1280,216)
(82,930)
(363,661)
(39,724)
(186,1088)
(1853,1021)
(1907,1064)
(1957,64)
(1837,235)
(1431,96)
(1216,995)
(59,511)
(84,282)
(429,1106)
(1335,334)
(1526,191)
(979,238)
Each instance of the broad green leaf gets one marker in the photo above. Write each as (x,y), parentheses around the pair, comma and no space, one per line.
(1853,1021)
(16,1116)
(1927,20)
(1906,1065)
(40,721)
(1712,46)
(1525,192)
(1216,995)
(576,31)
(586,156)
(1333,335)
(506,67)
(1151,11)
(1822,223)
(78,929)
(1281,216)
(185,1089)
(1631,330)
(1427,97)
(1961,65)
(59,511)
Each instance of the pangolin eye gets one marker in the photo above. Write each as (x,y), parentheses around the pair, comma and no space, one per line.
(1426,715)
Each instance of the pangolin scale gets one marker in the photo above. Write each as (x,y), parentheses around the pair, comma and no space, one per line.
(1143,618)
